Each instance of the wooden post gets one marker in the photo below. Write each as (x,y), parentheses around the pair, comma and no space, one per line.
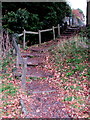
(39,36)
(24,39)
(69,22)
(58,30)
(17,61)
(18,57)
(15,44)
(14,52)
(53,33)
(24,71)
(19,53)
(19,46)
(73,20)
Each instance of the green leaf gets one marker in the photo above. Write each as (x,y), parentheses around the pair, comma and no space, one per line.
(70,73)
(68,98)
(72,87)
(78,88)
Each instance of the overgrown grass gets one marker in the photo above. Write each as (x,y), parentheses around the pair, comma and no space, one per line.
(71,60)
(9,87)
(73,47)
(73,52)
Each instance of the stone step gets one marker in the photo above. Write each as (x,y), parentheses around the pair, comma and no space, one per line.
(33,54)
(34,61)
(44,101)
(33,72)
(43,92)
(65,36)
(67,33)
(38,86)
(46,105)
(73,29)
(39,49)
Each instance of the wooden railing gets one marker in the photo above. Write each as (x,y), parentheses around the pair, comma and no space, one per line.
(20,60)
(39,33)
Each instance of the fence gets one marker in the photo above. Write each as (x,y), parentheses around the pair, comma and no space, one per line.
(39,33)
(20,60)
(23,61)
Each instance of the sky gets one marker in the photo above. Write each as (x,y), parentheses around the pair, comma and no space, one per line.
(82,4)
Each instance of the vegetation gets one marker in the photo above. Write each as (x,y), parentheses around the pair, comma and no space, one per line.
(29,15)
(85,32)
(88,31)
(70,60)
(9,89)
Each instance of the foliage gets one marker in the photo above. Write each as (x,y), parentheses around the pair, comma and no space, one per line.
(85,31)
(70,79)
(88,31)
(80,11)
(10,89)
(29,16)
(16,21)
(70,60)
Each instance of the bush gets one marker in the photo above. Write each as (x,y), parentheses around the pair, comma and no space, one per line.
(88,31)
(30,17)
(16,21)
(73,47)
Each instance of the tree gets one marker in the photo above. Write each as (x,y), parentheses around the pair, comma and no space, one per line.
(16,21)
(34,16)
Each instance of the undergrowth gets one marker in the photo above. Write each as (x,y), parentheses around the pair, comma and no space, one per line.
(9,89)
(70,59)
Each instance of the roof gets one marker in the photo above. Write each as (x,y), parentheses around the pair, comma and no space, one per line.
(77,13)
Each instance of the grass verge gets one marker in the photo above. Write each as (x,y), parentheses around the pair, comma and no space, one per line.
(70,58)
(9,91)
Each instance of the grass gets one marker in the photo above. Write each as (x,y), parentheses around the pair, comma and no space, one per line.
(9,87)
(26,48)
(70,59)
(72,48)
(73,53)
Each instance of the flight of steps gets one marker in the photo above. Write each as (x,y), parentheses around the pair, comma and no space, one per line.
(69,32)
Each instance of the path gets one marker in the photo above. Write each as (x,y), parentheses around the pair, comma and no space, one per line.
(43,101)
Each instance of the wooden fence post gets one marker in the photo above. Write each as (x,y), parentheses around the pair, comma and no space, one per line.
(58,30)
(17,61)
(14,51)
(39,32)
(19,46)
(18,57)
(53,33)
(69,22)
(24,71)
(24,39)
